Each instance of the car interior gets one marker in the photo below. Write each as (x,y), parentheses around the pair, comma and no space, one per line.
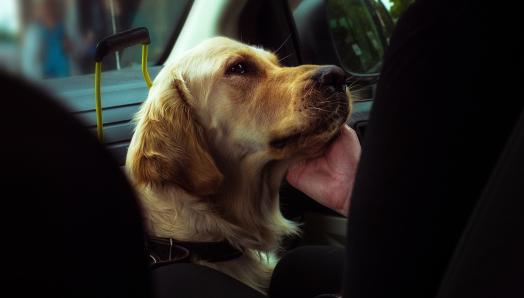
(73,227)
(124,90)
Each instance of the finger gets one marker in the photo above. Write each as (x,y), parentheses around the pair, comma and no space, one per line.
(348,136)
(294,172)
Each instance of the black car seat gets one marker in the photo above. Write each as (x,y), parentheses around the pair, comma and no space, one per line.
(435,209)
(70,222)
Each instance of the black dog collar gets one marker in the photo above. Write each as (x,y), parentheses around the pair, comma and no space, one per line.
(168,250)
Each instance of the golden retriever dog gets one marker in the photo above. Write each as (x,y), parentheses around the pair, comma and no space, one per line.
(213,142)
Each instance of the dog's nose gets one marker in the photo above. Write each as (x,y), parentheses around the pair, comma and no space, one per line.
(330,76)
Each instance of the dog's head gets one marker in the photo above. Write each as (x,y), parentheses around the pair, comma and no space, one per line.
(224,103)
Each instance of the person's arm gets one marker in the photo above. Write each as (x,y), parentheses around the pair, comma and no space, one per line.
(329,178)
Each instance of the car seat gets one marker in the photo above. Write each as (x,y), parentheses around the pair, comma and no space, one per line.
(437,204)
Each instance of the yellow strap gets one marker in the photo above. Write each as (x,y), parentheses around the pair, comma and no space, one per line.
(98,99)
(98,103)
(145,73)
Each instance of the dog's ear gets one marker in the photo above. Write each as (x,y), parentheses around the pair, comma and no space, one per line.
(168,147)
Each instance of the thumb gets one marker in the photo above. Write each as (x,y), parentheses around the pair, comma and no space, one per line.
(294,173)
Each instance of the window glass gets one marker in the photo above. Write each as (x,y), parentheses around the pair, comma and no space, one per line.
(384,17)
(397,7)
(358,41)
(56,38)
(361,30)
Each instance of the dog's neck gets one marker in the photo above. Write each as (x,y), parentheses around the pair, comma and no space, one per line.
(245,211)
(252,202)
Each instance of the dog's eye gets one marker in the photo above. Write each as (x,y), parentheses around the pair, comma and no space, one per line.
(238,68)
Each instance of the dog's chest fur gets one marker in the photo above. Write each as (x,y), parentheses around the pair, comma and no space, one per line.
(172,213)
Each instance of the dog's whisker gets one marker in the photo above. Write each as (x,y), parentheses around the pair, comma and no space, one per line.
(353,83)
(327,101)
(280,60)
(357,89)
(315,108)
(311,90)
(280,47)
(331,96)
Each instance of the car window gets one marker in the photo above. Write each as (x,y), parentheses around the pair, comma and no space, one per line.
(397,7)
(357,37)
(360,30)
(44,39)
(384,17)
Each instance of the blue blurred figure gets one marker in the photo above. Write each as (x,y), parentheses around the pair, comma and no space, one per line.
(45,44)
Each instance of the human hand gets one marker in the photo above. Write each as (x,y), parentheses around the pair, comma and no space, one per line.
(329,179)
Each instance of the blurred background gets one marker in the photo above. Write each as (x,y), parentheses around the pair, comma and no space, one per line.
(44,39)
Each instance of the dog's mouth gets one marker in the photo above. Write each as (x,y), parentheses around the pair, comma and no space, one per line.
(280,143)
(323,123)
(331,112)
